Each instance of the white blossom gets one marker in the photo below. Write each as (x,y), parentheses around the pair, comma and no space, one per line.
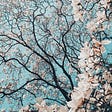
(77,97)
(24,109)
(76,10)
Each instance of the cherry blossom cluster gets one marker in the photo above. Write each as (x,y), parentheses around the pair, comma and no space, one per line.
(78,13)
(41,106)
(95,22)
(93,82)
(89,60)
(90,57)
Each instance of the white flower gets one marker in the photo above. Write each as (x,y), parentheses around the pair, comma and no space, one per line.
(98,47)
(107,76)
(76,8)
(107,87)
(83,76)
(24,109)
(77,15)
(83,86)
(41,105)
(86,58)
(91,26)
(86,52)
(75,2)
(100,15)
(93,82)
(77,97)
(104,3)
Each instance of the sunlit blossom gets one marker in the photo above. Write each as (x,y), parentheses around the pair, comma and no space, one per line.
(83,86)
(76,10)
(104,3)
(91,26)
(86,52)
(100,15)
(77,97)
(24,109)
